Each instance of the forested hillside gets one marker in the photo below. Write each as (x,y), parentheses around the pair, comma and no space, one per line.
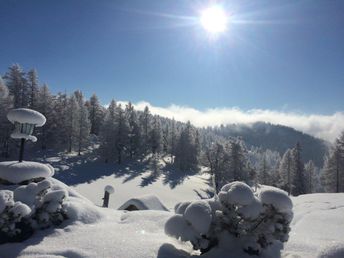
(277,138)
(258,153)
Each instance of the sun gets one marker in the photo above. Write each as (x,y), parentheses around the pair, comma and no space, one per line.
(214,19)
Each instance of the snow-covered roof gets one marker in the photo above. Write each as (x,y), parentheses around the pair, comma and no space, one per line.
(16,172)
(25,115)
(145,202)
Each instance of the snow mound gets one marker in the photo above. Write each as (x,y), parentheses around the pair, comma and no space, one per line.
(199,215)
(275,197)
(17,172)
(236,193)
(26,116)
(145,202)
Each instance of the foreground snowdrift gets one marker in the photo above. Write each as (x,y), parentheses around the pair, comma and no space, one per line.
(92,231)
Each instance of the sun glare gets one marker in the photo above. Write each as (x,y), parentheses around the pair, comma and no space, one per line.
(214,19)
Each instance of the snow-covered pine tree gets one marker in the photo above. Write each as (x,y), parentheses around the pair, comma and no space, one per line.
(44,105)
(237,161)
(60,121)
(155,136)
(17,85)
(134,135)
(107,133)
(264,176)
(83,122)
(72,122)
(298,172)
(33,88)
(333,172)
(173,140)
(310,176)
(145,119)
(215,160)
(96,114)
(121,133)
(6,104)
(186,151)
(285,171)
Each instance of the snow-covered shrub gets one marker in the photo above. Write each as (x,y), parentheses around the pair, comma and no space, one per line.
(253,221)
(30,207)
(46,203)
(13,218)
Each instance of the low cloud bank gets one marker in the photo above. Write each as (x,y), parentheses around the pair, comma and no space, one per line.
(327,127)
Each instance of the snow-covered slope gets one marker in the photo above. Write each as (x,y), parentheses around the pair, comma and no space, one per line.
(318,224)
(317,231)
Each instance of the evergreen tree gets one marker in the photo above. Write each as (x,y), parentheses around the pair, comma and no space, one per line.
(298,172)
(107,133)
(237,162)
(44,105)
(155,136)
(16,83)
(134,134)
(72,122)
(83,122)
(285,171)
(96,114)
(121,133)
(186,151)
(32,82)
(145,125)
(310,176)
(6,102)
(333,171)
(264,176)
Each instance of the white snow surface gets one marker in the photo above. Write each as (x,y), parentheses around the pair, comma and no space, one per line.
(317,231)
(145,202)
(26,115)
(16,172)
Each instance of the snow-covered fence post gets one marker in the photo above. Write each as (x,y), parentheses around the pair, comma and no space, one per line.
(107,191)
(25,120)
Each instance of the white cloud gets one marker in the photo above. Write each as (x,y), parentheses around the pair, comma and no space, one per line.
(327,127)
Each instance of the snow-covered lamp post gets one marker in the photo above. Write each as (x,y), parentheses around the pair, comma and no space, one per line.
(107,191)
(25,120)
(24,172)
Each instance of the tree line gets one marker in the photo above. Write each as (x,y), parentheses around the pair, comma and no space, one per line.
(120,133)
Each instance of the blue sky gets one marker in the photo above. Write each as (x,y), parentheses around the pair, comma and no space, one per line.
(275,55)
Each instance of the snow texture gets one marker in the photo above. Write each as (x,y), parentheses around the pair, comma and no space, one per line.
(145,202)
(199,215)
(26,116)
(17,172)
(275,197)
(236,193)
(109,189)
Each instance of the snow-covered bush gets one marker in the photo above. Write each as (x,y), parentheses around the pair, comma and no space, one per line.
(46,203)
(13,218)
(248,220)
(30,207)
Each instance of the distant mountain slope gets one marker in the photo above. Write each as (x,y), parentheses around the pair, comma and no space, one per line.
(276,137)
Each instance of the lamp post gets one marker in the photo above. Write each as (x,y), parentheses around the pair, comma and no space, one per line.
(25,120)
